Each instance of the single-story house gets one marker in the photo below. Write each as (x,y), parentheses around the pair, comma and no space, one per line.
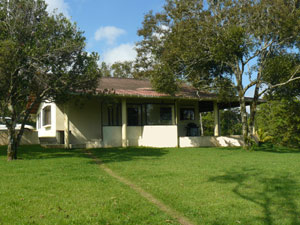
(129,112)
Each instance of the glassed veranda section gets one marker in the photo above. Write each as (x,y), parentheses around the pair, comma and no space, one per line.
(146,121)
(139,114)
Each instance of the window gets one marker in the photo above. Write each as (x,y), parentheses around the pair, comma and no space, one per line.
(159,114)
(187,114)
(47,115)
(165,114)
(39,121)
(134,115)
(112,115)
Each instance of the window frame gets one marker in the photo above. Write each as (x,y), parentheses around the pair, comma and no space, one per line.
(114,116)
(39,120)
(46,116)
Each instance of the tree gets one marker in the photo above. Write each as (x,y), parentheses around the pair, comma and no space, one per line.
(123,69)
(42,57)
(220,45)
(105,70)
(230,121)
(119,69)
(280,120)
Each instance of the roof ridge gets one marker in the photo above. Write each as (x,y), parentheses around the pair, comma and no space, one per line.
(125,78)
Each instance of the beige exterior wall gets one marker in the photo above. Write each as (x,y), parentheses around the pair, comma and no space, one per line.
(148,136)
(211,141)
(59,118)
(28,138)
(159,136)
(84,121)
(112,136)
(134,135)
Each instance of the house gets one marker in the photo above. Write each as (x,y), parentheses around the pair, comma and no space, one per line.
(129,112)
(30,136)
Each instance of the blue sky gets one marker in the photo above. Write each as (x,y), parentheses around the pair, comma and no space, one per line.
(110,26)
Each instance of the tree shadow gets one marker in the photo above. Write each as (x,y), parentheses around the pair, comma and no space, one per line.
(269,147)
(276,196)
(36,152)
(108,155)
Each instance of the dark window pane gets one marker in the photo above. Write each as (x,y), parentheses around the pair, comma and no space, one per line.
(111,115)
(166,113)
(187,114)
(133,116)
(158,114)
(47,115)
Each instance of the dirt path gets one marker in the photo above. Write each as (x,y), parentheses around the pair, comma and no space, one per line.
(163,207)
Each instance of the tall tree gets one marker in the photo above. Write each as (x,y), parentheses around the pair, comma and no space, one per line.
(105,70)
(124,69)
(209,43)
(41,57)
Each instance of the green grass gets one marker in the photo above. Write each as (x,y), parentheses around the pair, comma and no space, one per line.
(217,185)
(51,186)
(207,185)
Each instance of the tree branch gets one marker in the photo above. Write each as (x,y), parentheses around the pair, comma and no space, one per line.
(292,78)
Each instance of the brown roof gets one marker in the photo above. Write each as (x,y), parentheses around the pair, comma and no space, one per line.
(143,88)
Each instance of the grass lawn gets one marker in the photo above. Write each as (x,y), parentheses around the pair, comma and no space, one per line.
(54,186)
(207,185)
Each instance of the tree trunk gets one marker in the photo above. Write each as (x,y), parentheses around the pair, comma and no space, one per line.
(12,146)
(252,117)
(253,110)
(201,125)
(245,127)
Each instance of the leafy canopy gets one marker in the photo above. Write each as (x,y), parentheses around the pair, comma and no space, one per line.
(42,57)
(208,42)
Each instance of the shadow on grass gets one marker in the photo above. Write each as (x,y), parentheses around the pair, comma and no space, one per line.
(275,196)
(269,147)
(108,155)
(32,152)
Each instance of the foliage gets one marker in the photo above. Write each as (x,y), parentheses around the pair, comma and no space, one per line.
(280,119)
(118,69)
(123,69)
(230,122)
(263,136)
(208,123)
(209,43)
(105,70)
(42,57)
(276,70)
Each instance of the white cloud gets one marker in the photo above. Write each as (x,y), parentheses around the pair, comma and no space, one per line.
(124,52)
(162,30)
(109,34)
(60,5)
